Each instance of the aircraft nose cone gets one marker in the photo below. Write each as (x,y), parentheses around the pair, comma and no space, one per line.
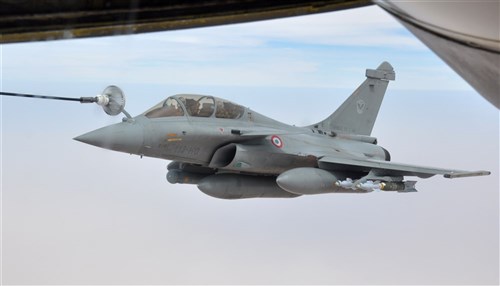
(123,137)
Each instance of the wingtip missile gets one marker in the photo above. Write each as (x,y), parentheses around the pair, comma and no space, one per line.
(454,175)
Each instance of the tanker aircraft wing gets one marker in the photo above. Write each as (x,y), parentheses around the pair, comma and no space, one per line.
(464,35)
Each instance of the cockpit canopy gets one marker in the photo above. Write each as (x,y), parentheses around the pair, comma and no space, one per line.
(196,106)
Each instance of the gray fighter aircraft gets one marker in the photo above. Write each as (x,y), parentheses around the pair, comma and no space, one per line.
(233,152)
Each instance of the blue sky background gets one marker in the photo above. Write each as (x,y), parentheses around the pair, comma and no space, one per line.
(76,214)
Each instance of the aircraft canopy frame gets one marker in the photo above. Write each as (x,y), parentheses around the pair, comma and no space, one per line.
(194,105)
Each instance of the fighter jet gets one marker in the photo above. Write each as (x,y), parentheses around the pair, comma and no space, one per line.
(232,152)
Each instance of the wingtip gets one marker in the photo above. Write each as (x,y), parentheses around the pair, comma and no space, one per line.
(454,175)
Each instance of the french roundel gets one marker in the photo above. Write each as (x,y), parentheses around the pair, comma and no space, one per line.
(276,141)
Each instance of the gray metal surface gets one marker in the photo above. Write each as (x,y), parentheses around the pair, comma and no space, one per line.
(465,35)
(232,152)
(480,68)
(357,114)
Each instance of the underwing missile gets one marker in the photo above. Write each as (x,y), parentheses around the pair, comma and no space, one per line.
(400,187)
(369,186)
(346,184)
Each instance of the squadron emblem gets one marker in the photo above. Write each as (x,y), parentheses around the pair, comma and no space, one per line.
(360,106)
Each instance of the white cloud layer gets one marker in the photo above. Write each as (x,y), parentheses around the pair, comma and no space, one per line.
(76,214)
(325,50)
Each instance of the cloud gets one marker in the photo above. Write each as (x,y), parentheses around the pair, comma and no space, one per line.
(76,214)
(324,50)
(369,26)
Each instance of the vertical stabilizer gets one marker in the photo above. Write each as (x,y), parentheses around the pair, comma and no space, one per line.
(358,113)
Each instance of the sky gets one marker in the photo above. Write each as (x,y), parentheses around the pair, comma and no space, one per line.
(76,214)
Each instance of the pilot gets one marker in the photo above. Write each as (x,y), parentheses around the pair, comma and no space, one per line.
(220,110)
(231,110)
(192,106)
(206,110)
(172,110)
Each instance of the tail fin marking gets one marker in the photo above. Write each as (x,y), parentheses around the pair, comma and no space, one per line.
(358,113)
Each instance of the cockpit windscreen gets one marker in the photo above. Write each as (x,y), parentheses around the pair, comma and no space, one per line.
(196,106)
